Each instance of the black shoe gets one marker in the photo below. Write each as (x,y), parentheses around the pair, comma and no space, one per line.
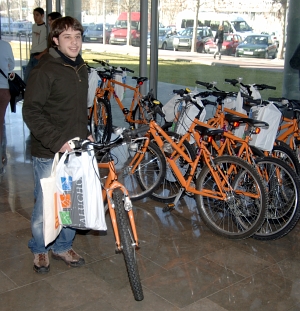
(41,263)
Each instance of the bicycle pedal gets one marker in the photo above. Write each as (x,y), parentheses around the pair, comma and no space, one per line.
(169,207)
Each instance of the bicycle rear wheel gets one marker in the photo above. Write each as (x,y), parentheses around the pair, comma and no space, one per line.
(283,206)
(284,152)
(146,177)
(243,211)
(101,128)
(128,245)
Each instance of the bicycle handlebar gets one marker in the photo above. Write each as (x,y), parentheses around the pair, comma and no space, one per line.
(205,84)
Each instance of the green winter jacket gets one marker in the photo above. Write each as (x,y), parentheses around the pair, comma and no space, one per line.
(55,104)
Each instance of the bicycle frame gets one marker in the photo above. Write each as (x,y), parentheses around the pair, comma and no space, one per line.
(290,130)
(158,134)
(110,185)
(106,90)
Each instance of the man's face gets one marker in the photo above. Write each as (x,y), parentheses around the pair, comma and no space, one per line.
(69,43)
(38,18)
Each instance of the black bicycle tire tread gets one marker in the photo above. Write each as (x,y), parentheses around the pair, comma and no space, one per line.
(127,250)
(259,181)
(108,128)
(290,153)
(288,228)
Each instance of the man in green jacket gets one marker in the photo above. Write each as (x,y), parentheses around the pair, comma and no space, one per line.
(55,111)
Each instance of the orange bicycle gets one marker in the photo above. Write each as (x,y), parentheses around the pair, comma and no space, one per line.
(230,194)
(120,210)
(281,182)
(101,115)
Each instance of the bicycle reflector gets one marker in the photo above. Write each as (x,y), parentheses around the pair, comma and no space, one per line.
(236,124)
(104,79)
(209,139)
(140,82)
(257,130)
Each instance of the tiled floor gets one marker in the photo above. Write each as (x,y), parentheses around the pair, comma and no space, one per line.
(183,266)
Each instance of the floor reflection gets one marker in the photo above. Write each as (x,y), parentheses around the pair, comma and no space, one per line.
(183,265)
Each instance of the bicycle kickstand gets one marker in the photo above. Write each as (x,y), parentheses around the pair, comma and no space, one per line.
(171,206)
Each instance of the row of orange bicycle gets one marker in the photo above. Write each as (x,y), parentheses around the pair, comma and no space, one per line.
(242,173)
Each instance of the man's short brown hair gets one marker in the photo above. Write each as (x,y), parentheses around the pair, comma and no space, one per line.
(63,23)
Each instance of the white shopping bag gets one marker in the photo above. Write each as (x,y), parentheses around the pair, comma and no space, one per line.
(119,89)
(80,200)
(170,108)
(51,221)
(239,132)
(270,114)
(93,84)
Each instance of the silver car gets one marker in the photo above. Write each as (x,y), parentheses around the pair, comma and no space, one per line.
(165,39)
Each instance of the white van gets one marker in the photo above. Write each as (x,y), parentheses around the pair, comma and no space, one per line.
(232,23)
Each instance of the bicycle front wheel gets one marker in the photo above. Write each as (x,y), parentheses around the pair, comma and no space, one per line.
(283,207)
(142,179)
(128,245)
(101,121)
(243,211)
(141,115)
(170,186)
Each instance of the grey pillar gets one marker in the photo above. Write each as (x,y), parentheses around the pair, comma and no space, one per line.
(58,6)
(48,10)
(143,43)
(154,47)
(291,76)
(73,8)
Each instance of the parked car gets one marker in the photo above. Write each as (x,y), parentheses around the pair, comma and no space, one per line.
(21,28)
(275,36)
(165,39)
(231,41)
(86,25)
(94,33)
(257,46)
(183,41)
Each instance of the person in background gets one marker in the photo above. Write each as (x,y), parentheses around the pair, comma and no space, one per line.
(7,64)
(219,38)
(54,116)
(39,41)
(51,18)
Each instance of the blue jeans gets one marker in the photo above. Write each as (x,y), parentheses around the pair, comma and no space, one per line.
(42,169)
(31,64)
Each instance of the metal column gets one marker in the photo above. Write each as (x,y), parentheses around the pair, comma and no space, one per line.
(154,47)
(291,76)
(143,43)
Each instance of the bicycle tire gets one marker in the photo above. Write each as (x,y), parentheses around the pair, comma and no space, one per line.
(169,187)
(127,244)
(142,109)
(283,207)
(239,216)
(102,131)
(288,155)
(148,175)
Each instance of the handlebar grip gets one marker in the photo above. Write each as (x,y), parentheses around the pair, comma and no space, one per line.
(144,128)
(232,81)
(206,84)
(179,92)
(276,99)
(127,69)
(264,86)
